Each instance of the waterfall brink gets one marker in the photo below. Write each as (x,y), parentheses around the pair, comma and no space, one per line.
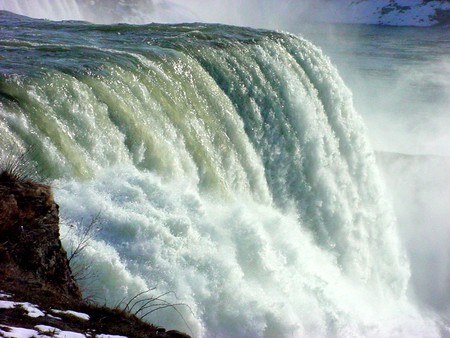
(229,168)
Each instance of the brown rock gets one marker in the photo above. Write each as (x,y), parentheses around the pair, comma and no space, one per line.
(29,234)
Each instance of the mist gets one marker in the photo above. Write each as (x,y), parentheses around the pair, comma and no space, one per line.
(419,187)
(405,104)
(259,14)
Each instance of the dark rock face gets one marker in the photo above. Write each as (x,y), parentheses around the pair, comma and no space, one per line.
(177,334)
(29,235)
(442,16)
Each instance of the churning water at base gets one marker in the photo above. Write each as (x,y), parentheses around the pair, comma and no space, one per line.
(229,171)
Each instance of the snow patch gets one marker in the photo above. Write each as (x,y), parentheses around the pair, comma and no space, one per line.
(32,310)
(53,317)
(4,295)
(55,332)
(79,315)
(6,304)
(382,12)
(17,332)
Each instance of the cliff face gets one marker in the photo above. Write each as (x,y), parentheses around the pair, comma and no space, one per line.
(29,236)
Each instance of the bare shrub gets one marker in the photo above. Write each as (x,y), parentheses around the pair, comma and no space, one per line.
(142,305)
(81,233)
(16,164)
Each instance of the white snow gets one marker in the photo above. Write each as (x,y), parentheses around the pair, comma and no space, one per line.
(33,310)
(385,12)
(6,304)
(55,332)
(79,315)
(43,331)
(46,329)
(54,317)
(17,332)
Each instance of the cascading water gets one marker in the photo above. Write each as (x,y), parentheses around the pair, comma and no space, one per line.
(62,10)
(101,11)
(228,166)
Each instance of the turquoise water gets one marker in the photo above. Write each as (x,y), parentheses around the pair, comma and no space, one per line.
(229,168)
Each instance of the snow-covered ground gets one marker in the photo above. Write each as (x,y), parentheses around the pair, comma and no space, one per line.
(42,331)
(45,331)
(384,12)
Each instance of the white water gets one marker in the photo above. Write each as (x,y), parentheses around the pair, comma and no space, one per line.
(100,11)
(244,269)
(237,249)
(54,10)
(272,223)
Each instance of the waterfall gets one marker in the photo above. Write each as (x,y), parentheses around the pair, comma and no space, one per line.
(228,169)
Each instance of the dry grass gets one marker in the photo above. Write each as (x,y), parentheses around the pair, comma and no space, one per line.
(26,288)
(16,165)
